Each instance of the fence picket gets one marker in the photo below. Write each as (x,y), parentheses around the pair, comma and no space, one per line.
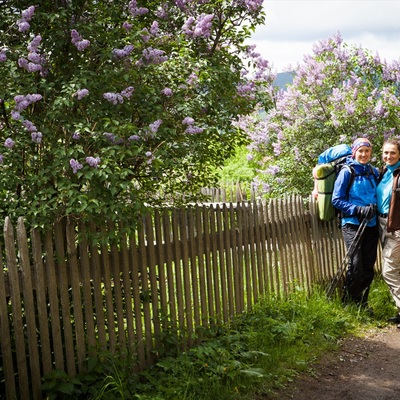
(17,314)
(5,336)
(29,308)
(76,296)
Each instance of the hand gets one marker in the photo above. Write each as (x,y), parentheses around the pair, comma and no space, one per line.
(363,212)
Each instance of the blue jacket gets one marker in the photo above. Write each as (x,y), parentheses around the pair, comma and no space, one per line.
(361,193)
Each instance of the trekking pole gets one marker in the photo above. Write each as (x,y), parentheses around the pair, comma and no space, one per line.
(336,279)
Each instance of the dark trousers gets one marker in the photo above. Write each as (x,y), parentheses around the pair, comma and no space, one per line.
(360,271)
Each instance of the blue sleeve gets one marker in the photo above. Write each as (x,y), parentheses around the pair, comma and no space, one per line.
(340,194)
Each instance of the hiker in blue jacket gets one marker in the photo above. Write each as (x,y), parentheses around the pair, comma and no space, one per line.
(354,195)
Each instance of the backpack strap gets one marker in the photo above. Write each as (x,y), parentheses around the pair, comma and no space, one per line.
(350,168)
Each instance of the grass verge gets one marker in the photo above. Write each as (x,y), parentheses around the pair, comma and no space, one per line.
(259,353)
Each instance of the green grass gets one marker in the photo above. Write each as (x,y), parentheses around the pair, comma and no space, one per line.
(261,352)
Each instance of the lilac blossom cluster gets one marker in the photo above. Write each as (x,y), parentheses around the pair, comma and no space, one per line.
(155,126)
(81,93)
(30,127)
(75,165)
(77,40)
(167,92)
(9,143)
(135,10)
(116,98)
(3,55)
(252,5)
(150,157)
(23,23)
(152,56)
(35,62)
(191,129)
(124,52)
(22,102)
(198,28)
(93,161)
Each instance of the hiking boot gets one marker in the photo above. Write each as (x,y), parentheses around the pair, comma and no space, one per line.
(395,319)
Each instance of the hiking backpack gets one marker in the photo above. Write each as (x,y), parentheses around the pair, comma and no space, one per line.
(330,162)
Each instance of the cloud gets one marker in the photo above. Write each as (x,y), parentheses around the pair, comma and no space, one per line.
(292,27)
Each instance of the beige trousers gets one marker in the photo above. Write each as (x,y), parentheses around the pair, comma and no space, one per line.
(390,260)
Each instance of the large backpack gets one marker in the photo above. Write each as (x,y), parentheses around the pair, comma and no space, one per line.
(330,162)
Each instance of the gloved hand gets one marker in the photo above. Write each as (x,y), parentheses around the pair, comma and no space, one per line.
(363,212)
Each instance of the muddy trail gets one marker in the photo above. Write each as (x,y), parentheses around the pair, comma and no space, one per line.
(366,368)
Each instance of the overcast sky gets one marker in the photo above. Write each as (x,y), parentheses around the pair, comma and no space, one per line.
(292,27)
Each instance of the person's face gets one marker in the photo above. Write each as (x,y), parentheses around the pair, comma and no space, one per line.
(363,154)
(390,154)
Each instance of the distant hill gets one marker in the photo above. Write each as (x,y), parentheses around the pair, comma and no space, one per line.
(283,79)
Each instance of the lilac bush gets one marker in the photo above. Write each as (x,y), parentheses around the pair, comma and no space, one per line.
(93,97)
(338,93)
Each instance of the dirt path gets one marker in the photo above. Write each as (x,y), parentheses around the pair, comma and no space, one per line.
(364,369)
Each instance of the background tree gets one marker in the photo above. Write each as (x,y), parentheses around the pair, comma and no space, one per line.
(338,93)
(108,106)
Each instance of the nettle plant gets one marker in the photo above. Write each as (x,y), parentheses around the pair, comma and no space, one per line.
(110,106)
(338,93)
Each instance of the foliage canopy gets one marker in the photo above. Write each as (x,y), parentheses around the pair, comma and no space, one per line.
(109,106)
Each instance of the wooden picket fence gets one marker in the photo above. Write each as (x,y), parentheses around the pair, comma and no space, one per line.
(64,295)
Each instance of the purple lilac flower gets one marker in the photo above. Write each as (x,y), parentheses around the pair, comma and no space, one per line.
(277,148)
(23,63)
(75,165)
(32,67)
(134,137)
(135,10)
(187,26)
(192,130)
(3,55)
(23,102)
(114,98)
(127,26)
(93,161)
(379,109)
(33,98)
(152,56)
(122,53)
(81,93)
(77,40)
(23,25)
(33,46)
(76,136)
(188,121)
(203,26)
(162,13)
(155,125)
(29,126)
(36,137)
(15,115)
(127,93)
(193,77)
(28,13)
(109,136)
(1,159)
(167,92)
(9,143)
(148,154)
(154,29)
(34,57)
